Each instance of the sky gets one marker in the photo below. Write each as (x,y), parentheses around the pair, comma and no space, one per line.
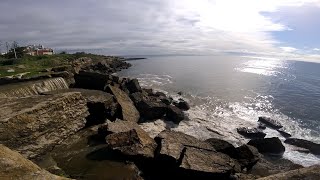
(285,29)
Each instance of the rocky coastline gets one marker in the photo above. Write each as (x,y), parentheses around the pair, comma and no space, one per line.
(80,121)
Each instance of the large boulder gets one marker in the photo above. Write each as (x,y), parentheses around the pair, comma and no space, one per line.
(129,111)
(133,86)
(135,142)
(116,127)
(188,157)
(182,104)
(270,122)
(90,80)
(151,108)
(246,155)
(307,173)
(268,145)
(251,132)
(173,143)
(34,125)
(311,146)
(174,114)
(203,164)
(222,146)
(14,166)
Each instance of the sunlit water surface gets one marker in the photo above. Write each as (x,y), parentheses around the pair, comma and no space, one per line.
(229,92)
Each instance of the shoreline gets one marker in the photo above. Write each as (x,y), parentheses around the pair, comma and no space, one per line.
(104,100)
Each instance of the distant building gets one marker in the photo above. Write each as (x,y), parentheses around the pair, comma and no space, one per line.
(36,50)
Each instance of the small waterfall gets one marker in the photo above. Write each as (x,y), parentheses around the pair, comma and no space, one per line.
(33,88)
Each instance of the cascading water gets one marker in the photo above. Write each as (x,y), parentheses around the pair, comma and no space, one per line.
(33,88)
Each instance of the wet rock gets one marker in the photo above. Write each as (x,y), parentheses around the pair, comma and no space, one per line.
(174,114)
(270,122)
(262,126)
(251,132)
(159,94)
(34,125)
(284,133)
(311,146)
(151,108)
(133,86)
(134,142)
(246,155)
(129,111)
(90,80)
(222,146)
(14,166)
(166,100)
(148,91)
(182,104)
(268,145)
(310,173)
(180,93)
(204,164)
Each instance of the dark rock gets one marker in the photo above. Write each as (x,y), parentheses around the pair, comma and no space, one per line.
(133,86)
(129,111)
(148,91)
(308,173)
(268,145)
(90,80)
(150,108)
(246,155)
(180,93)
(222,146)
(174,114)
(166,100)
(251,132)
(262,126)
(160,94)
(270,122)
(311,146)
(284,133)
(182,104)
(67,68)
(204,164)
(134,142)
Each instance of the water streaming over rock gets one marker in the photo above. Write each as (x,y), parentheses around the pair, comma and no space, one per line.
(33,88)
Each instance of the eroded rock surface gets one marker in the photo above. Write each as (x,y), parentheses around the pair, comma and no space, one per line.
(36,124)
(14,166)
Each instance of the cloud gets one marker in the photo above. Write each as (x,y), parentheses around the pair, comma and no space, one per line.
(289,49)
(147,26)
(316,49)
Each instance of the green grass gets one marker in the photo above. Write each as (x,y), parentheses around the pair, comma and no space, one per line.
(35,64)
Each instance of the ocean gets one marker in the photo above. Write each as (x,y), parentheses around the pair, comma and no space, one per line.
(227,92)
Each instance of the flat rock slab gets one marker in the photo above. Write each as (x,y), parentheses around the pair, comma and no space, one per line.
(135,142)
(251,132)
(207,162)
(172,144)
(129,111)
(308,173)
(311,146)
(35,124)
(14,166)
(270,122)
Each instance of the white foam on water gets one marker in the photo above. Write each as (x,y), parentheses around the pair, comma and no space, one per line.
(209,117)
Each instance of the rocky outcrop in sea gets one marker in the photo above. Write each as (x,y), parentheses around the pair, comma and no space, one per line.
(81,121)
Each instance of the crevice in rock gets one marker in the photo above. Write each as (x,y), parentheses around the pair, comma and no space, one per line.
(182,154)
(97,115)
